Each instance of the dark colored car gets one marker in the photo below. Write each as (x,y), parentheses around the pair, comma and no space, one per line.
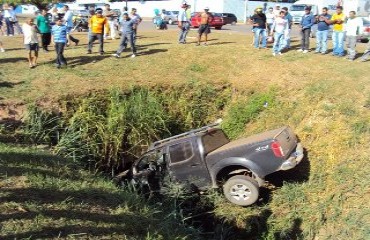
(229,18)
(217,21)
(206,159)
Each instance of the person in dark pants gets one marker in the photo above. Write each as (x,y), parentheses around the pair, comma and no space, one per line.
(9,16)
(204,25)
(43,24)
(128,26)
(59,38)
(68,18)
(308,20)
(97,24)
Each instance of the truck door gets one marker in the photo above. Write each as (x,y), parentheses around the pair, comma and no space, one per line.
(185,163)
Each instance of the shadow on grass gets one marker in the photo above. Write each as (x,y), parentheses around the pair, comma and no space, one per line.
(9,84)
(152,51)
(221,43)
(82,60)
(13,60)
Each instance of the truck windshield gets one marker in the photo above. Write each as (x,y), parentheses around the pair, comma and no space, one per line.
(213,140)
(297,8)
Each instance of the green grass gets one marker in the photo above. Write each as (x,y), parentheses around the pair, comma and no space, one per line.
(45,196)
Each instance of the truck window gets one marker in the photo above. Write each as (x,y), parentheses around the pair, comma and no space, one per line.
(297,7)
(181,152)
(213,140)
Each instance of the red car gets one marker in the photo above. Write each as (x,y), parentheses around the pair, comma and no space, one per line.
(217,21)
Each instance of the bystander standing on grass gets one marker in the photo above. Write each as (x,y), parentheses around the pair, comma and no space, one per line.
(59,39)
(204,26)
(308,20)
(97,24)
(279,26)
(338,20)
(353,29)
(270,18)
(135,17)
(128,27)
(366,54)
(289,18)
(183,23)
(30,41)
(260,25)
(323,25)
(68,18)
(43,24)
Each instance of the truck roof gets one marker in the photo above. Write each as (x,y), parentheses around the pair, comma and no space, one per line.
(192,133)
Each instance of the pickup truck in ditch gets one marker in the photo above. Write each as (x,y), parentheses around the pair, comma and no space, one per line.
(206,158)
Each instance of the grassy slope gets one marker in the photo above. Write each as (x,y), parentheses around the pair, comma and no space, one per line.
(43,196)
(325,99)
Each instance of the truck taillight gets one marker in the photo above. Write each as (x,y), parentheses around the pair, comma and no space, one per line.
(276,148)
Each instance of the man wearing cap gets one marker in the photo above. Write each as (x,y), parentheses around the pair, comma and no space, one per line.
(308,20)
(204,27)
(183,23)
(259,24)
(97,24)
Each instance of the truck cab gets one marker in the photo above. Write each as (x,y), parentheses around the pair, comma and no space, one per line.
(297,9)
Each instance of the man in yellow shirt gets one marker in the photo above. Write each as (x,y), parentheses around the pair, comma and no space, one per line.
(97,23)
(338,19)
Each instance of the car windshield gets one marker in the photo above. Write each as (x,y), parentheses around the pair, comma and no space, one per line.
(217,14)
(213,140)
(297,7)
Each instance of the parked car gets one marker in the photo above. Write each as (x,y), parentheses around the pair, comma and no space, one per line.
(217,21)
(229,18)
(171,17)
(206,158)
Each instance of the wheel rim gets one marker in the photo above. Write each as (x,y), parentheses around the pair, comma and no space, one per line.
(240,192)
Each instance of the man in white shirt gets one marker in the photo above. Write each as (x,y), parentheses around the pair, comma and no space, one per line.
(277,11)
(30,41)
(353,29)
(279,26)
(68,19)
(137,19)
(270,18)
(9,19)
(183,23)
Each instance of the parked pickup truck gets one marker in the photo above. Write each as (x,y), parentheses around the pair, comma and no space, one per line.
(206,158)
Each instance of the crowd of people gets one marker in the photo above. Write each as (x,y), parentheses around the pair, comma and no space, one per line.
(275,26)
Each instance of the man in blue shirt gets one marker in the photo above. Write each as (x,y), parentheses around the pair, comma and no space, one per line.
(323,25)
(307,22)
(128,26)
(68,18)
(59,38)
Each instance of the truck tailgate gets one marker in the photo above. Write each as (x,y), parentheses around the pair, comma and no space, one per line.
(287,140)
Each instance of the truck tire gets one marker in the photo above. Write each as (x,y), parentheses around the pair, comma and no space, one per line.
(241,190)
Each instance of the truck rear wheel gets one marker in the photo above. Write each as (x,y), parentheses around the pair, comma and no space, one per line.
(241,190)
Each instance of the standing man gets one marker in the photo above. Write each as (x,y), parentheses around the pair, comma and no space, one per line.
(270,18)
(110,15)
(30,41)
(68,19)
(280,25)
(128,26)
(307,22)
(183,23)
(259,24)
(43,24)
(323,25)
(277,11)
(289,18)
(97,24)
(338,20)
(204,28)
(353,29)
(59,39)
(9,19)
(135,17)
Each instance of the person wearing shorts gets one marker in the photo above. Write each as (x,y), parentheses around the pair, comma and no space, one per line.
(204,27)
(30,41)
